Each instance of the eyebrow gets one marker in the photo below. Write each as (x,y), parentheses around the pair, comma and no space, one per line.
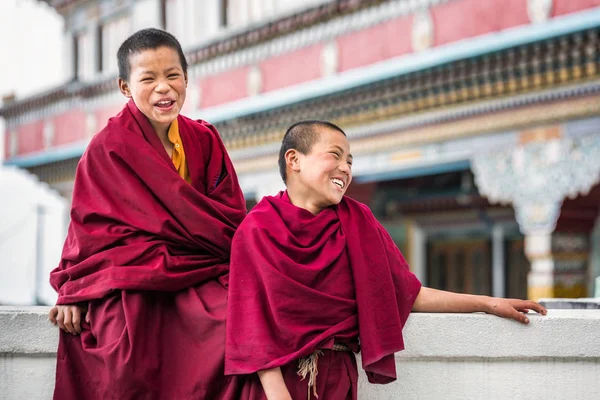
(150,72)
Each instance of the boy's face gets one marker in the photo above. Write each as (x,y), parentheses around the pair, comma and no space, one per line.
(325,173)
(157,85)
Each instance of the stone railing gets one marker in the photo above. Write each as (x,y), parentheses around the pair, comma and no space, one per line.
(448,356)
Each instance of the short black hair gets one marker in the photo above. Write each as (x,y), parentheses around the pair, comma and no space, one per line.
(147,39)
(301,136)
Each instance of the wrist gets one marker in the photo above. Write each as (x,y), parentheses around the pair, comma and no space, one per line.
(487,304)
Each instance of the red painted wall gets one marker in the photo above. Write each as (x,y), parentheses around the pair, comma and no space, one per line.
(463,19)
(222,88)
(69,127)
(562,7)
(103,114)
(292,68)
(377,43)
(30,137)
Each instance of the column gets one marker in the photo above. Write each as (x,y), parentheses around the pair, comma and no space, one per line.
(540,280)
(545,167)
(498,271)
(417,251)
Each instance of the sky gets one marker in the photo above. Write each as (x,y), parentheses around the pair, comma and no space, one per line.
(32,48)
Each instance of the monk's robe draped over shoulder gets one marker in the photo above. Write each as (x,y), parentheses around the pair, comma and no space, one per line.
(284,297)
(149,253)
(131,209)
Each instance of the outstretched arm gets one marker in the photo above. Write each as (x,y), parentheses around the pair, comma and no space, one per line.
(440,301)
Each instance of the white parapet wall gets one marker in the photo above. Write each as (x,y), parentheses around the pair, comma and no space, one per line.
(447,356)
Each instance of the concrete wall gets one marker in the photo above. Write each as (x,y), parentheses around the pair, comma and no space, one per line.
(448,356)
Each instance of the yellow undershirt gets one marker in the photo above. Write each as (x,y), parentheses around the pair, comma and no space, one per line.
(178,156)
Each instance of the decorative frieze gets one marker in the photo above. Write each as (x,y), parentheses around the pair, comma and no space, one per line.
(254,81)
(48,133)
(539,10)
(422,31)
(329,59)
(13,143)
(516,77)
(537,176)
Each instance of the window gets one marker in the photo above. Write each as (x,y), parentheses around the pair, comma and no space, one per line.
(163,14)
(99,65)
(113,33)
(223,20)
(75,46)
(83,56)
(193,22)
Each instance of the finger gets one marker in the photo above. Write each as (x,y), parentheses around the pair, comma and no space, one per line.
(77,320)
(87,317)
(60,319)
(537,307)
(52,315)
(517,316)
(69,320)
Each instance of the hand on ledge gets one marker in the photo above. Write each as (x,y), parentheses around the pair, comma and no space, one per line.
(513,308)
(68,317)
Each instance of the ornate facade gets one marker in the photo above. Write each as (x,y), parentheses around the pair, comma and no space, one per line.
(471,122)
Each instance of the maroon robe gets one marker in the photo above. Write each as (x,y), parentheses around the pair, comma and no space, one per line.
(148,253)
(301,282)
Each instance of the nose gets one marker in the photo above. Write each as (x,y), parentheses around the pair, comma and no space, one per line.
(345,168)
(162,87)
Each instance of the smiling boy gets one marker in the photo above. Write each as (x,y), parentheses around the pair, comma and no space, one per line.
(314,274)
(155,205)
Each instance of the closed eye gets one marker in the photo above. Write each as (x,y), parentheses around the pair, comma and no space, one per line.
(336,154)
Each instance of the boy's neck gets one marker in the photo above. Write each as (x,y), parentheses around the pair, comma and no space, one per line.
(162,132)
(301,200)
(163,135)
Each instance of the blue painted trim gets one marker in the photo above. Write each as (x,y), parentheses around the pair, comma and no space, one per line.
(436,56)
(414,172)
(48,156)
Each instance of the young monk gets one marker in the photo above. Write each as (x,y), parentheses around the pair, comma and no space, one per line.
(313,275)
(155,205)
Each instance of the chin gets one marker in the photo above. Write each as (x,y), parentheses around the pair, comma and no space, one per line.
(336,200)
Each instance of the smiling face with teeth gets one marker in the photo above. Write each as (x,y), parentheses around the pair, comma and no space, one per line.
(157,84)
(319,179)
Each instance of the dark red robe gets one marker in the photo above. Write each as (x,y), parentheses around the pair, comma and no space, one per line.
(301,282)
(149,254)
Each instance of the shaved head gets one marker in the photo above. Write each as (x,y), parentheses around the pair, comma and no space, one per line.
(301,137)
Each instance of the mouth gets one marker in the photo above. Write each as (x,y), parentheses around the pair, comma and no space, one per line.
(165,104)
(339,183)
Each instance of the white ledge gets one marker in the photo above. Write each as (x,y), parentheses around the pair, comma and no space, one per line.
(447,356)
(561,333)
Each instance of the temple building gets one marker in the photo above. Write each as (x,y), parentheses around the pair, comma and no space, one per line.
(475,125)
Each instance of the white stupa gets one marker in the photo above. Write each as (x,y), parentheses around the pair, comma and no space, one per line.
(33,223)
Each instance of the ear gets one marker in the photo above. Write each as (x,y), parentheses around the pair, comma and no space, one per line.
(292,160)
(186,78)
(124,88)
